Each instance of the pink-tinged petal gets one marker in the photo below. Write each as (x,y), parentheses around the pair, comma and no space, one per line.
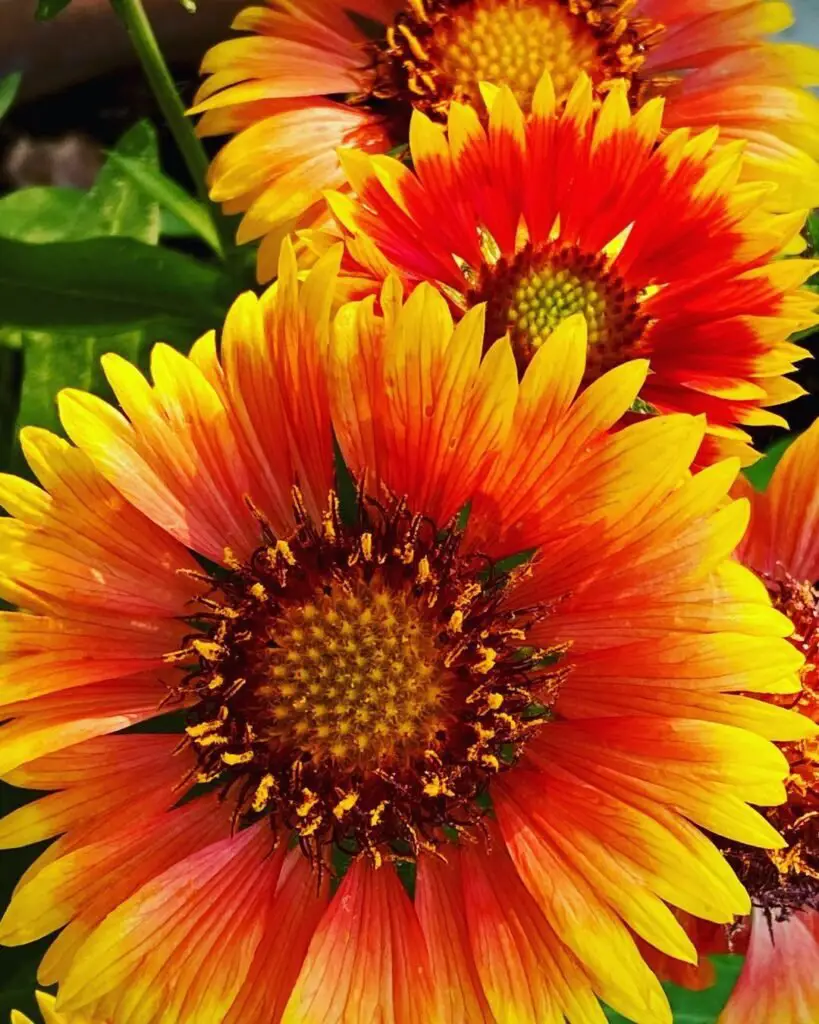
(780,978)
(783,537)
(85,878)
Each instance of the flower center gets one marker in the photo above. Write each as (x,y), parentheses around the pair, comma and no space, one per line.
(361,686)
(440,50)
(353,675)
(530,295)
(783,881)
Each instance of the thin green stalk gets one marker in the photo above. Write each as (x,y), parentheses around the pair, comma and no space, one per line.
(159,77)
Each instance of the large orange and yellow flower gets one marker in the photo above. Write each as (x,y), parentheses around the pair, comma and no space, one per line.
(660,248)
(316,75)
(448,736)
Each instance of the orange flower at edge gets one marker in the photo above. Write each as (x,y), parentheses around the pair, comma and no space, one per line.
(780,977)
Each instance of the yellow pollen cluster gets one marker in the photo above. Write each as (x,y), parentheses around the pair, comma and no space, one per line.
(545,298)
(353,676)
(512,42)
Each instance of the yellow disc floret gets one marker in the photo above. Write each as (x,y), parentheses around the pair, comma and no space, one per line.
(437,51)
(512,42)
(353,675)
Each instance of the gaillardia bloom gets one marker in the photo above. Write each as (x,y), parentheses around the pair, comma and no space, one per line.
(780,979)
(316,75)
(448,730)
(663,252)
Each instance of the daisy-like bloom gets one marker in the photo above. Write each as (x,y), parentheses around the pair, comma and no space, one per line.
(312,76)
(448,730)
(660,248)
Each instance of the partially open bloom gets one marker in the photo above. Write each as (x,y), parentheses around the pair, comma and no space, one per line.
(660,248)
(316,75)
(447,734)
(780,978)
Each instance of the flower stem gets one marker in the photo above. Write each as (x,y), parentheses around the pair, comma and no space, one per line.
(159,78)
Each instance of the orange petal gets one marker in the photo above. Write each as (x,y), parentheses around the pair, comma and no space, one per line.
(367,960)
(526,970)
(297,909)
(439,903)
(171,949)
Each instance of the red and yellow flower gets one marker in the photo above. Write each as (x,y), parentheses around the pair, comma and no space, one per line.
(660,248)
(447,737)
(313,76)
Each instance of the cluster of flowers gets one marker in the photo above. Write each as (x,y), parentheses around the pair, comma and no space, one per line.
(491,704)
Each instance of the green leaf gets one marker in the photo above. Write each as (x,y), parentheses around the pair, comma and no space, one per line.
(170,226)
(39,214)
(48,9)
(76,298)
(114,206)
(8,90)
(57,361)
(760,473)
(153,183)
(109,283)
(813,231)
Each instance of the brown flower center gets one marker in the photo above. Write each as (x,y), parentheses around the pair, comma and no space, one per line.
(437,51)
(532,294)
(362,685)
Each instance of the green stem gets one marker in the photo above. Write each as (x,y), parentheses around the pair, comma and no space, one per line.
(159,78)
